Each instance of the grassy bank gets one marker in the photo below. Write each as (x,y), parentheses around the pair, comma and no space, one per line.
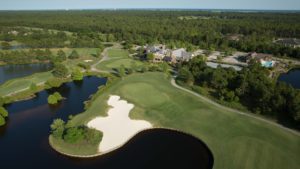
(236,141)
(18,85)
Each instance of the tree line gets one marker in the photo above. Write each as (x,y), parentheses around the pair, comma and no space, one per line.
(251,87)
(258,30)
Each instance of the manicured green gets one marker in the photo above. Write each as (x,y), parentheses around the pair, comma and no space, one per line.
(236,141)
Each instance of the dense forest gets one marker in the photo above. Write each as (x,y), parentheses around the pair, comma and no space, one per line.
(251,87)
(207,30)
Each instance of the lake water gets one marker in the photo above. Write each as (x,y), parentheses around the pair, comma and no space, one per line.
(292,78)
(24,139)
(8,72)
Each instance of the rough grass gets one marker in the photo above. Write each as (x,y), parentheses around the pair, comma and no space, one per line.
(236,141)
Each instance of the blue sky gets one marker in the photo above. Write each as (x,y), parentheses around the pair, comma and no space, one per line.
(101,4)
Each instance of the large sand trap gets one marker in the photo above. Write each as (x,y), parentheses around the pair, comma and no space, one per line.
(117,127)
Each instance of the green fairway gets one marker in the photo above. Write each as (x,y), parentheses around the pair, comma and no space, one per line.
(237,141)
(116,63)
(19,84)
(117,57)
(118,53)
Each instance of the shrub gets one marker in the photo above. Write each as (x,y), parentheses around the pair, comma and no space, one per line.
(54,82)
(52,99)
(93,136)
(74,135)
(57,128)
(58,96)
(60,71)
(77,74)
(129,71)
(74,55)
(33,87)
(2,121)
(3,112)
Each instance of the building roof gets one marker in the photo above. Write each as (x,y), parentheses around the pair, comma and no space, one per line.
(289,41)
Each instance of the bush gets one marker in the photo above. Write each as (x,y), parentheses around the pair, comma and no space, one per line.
(84,66)
(60,71)
(129,71)
(1,101)
(74,55)
(58,96)
(54,82)
(77,74)
(2,121)
(144,69)
(200,90)
(74,135)
(93,136)
(52,99)
(57,128)
(3,112)
(33,87)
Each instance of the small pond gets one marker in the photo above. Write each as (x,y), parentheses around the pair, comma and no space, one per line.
(292,78)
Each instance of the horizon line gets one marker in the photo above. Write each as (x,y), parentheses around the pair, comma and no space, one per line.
(166,9)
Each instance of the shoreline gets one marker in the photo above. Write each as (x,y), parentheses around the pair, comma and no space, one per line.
(112,150)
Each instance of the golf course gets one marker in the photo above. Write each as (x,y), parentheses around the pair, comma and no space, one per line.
(116,58)
(236,141)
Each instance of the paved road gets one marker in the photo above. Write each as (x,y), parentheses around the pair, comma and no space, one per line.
(233,110)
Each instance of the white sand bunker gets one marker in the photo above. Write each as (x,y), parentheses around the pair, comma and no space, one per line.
(87,61)
(117,127)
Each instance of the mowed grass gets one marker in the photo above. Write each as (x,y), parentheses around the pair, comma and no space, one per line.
(237,141)
(84,55)
(18,84)
(117,57)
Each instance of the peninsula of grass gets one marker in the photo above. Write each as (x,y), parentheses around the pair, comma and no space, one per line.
(17,85)
(237,141)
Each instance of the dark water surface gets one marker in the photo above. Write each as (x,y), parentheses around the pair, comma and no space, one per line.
(8,72)
(292,78)
(24,139)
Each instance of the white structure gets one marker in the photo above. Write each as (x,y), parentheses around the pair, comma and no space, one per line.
(181,55)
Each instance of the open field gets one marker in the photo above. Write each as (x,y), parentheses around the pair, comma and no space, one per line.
(236,141)
(117,57)
(21,84)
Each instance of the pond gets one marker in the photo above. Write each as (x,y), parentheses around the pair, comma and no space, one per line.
(8,72)
(292,78)
(24,139)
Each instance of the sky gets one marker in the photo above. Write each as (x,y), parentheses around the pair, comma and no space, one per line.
(111,4)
